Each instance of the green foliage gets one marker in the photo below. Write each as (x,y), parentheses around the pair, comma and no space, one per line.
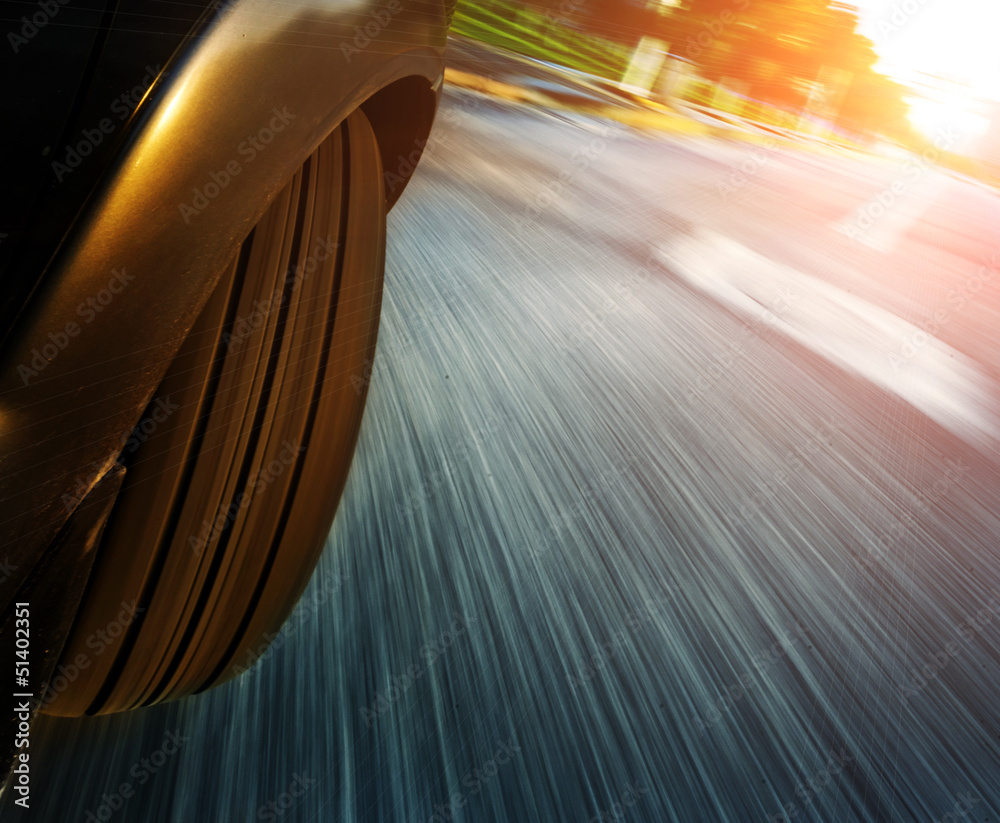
(547,33)
(791,55)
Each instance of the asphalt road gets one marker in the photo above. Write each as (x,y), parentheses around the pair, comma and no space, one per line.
(665,509)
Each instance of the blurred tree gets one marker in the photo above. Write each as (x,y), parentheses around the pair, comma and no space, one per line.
(624,21)
(791,53)
(799,55)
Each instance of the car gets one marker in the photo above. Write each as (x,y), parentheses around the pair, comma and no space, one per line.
(192,257)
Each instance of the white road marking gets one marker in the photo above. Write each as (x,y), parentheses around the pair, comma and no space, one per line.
(845,329)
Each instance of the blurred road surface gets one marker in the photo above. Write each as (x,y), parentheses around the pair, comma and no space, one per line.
(676,500)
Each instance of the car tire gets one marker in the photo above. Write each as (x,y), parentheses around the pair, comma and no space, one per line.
(234,473)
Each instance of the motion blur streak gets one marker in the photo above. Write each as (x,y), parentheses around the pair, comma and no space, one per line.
(610,549)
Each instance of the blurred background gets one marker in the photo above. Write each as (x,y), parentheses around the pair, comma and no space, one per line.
(676,497)
(871,73)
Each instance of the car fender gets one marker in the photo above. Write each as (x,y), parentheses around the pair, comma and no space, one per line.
(220,134)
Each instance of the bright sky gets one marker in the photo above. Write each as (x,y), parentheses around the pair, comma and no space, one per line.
(956,39)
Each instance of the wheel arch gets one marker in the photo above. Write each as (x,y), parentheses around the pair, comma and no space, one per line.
(413,101)
(62,416)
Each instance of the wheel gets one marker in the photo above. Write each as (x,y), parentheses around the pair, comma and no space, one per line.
(234,474)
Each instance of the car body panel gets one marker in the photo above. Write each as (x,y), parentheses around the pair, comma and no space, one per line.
(218,136)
